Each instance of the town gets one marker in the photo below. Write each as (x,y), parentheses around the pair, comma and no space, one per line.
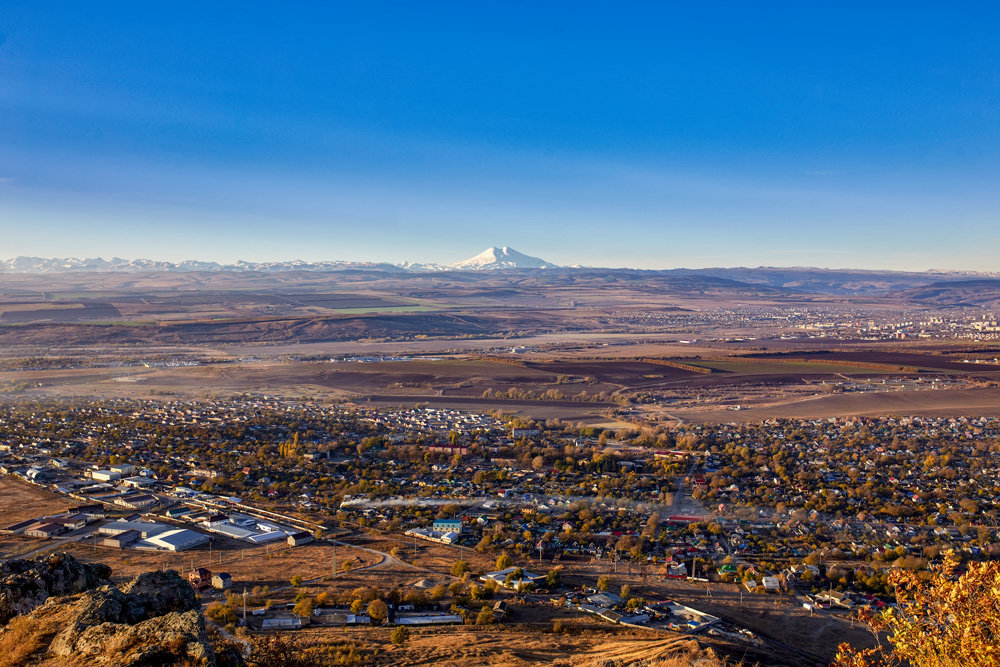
(647,527)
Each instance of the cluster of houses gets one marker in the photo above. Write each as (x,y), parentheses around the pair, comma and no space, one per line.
(436,420)
(47,527)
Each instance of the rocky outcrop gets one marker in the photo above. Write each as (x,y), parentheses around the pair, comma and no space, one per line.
(28,583)
(153,619)
(70,611)
(172,638)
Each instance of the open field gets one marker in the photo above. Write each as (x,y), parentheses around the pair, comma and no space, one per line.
(923,361)
(581,644)
(21,501)
(580,390)
(945,402)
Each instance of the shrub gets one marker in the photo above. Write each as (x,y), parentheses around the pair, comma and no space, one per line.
(399,635)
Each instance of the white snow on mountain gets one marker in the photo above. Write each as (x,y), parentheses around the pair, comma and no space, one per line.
(501,258)
(494,258)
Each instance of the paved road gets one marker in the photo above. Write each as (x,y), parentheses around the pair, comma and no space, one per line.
(57,542)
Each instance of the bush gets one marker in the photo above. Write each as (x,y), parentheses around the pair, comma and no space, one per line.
(459,568)
(220,613)
(485,616)
(399,635)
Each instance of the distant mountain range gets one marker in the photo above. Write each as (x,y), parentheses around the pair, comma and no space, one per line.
(934,287)
(490,259)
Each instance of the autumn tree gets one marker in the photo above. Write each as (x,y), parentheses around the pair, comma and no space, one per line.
(946,621)
(304,607)
(378,611)
(459,567)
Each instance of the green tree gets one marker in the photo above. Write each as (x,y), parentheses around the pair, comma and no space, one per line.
(504,561)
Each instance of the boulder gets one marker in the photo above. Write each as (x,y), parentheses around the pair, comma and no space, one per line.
(154,619)
(27,583)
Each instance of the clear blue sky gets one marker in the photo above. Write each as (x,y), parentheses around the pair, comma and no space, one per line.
(615,134)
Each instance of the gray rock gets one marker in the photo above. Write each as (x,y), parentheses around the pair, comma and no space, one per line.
(27,583)
(153,619)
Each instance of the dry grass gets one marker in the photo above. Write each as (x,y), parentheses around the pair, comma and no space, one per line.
(673,652)
(21,501)
(22,638)
(258,566)
(594,645)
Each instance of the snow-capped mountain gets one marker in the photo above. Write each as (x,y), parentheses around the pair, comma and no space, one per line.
(501,258)
(119,265)
(493,258)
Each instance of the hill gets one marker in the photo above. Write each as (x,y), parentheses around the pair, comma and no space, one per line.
(982,293)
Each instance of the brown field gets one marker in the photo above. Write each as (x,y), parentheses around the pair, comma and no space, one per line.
(460,382)
(617,372)
(580,644)
(914,359)
(265,565)
(946,402)
(21,501)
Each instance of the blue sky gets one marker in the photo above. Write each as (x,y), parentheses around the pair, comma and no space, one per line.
(652,135)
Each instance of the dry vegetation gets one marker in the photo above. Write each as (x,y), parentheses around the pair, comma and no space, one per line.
(21,501)
(584,645)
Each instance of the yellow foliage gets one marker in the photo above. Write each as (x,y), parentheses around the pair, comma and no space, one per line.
(947,621)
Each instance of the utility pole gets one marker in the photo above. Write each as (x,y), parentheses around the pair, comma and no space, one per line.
(244,606)
(334,562)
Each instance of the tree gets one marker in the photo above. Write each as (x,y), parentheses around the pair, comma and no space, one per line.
(304,607)
(378,611)
(399,635)
(459,567)
(552,578)
(504,561)
(946,620)
(485,616)
(220,613)
(296,580)
(603,582)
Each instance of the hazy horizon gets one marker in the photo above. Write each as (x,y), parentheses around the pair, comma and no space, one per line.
(442,264)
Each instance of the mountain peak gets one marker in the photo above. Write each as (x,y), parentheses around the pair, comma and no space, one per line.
(501,258)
